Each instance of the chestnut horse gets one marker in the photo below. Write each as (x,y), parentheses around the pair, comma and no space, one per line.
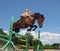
(28,22)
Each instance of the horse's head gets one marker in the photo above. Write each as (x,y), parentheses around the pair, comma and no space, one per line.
(40,18)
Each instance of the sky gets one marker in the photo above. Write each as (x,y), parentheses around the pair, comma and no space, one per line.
(49,8)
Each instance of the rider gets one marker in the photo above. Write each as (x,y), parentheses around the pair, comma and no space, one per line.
(26,14)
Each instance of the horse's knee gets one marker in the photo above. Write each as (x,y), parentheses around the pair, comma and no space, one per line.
(17,30)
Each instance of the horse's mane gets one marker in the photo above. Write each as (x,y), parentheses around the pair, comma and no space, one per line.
(38,14)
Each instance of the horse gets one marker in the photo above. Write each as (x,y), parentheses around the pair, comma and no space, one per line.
(28,22)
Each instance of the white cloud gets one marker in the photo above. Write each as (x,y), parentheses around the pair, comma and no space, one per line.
(50,38)
(23,32)
(34,34)
(6,32)
(45,37)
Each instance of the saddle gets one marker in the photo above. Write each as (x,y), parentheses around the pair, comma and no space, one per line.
(25,19)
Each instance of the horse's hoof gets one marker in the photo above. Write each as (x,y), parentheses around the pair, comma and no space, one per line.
(28,30)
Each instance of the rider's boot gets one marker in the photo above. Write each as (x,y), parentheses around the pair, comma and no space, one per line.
(21,19)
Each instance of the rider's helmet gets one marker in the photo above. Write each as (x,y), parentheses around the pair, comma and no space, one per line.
(27,10)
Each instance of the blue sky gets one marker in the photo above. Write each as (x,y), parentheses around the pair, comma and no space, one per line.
(49,8)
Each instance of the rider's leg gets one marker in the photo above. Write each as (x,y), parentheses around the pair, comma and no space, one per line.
(21,19)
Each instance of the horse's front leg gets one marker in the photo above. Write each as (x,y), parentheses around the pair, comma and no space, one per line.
(32,28)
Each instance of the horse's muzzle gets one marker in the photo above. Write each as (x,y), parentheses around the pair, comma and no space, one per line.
(40,26)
